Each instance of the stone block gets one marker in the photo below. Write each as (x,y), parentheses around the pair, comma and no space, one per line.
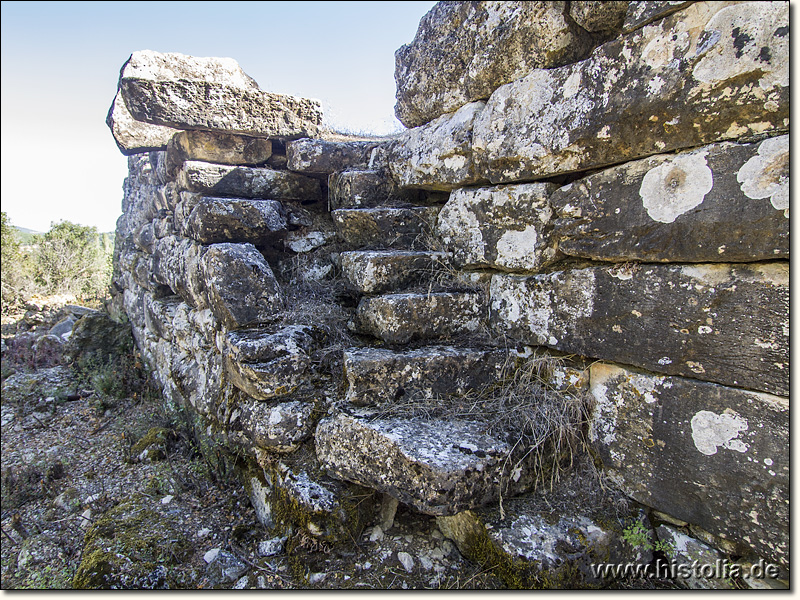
(159,314)
(385,227)
(241,288)
(274,427)
(365,189)
(400,318)
(372,272)
(644,12)
(720,203)
(504,227)
(709,73)
(176,264)
(214,94)
(215,220)
(322,157)
(215,147)
(132,136)
(711,455)
(246,182)
(723,323)
(463,51)
(599,16)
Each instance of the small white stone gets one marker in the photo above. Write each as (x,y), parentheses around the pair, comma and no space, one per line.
(167,499)
(376,535)
(211,555)
(407,561)
(203,533)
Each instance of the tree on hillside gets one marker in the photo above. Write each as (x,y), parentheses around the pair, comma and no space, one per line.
(16,273)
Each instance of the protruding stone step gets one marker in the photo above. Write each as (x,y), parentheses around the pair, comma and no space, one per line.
(400,318)
(439,467)
(365,189)
(320,157)
(215,147)
(273,427)
(379,375)
(387,227)
(246,182)
(372,272)
(211,220)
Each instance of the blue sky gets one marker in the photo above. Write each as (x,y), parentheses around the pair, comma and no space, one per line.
(61,61)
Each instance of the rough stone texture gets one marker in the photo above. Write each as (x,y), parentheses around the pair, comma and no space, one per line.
(176,264)
(723,323)
(386,227)
(134,136)
(187,92)
(378,375)
(644,12)
(721,203)
(438,467)
(159,314)
(437,156)
(242,291)
(372,272)
(599,16)
(220,148)
(686,550)
(365,189)
(505,227)
(709,73)
(707,454)
(323,157)
(400,318)
(213,220)
(278,427)
(247,182)
(463,51)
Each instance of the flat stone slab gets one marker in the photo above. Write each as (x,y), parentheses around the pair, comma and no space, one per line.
(214,220)
(504,227)
(274,427)
(187,92)
(132,136)
(723,323)
(379,376)
(322,157)
(365,189)
(721,203)
(241,288)
(176,264)
(400,318)
(438,467)
(386,227)
(437,156)
(372,272)
(215,147)
(711,455)
(246,182)
(709,73)
(463,51)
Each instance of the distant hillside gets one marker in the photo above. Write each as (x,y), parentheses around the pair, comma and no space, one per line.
(24,235)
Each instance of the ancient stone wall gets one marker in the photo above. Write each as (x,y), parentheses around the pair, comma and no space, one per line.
(617,193)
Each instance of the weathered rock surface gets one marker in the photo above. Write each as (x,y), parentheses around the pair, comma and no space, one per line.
(214,220)
(710,455)
(365,189)
(720,203)
(599,16)
(438,467)
(242,290)
(320,157)
(378,375)
(278,428)
(188,92)
(372,272)
(504,227)
(176,264)
(132,136)
(386,227)
(645,12)
(400,318)
(216,147)
(437,156)
(463,51)
(709,73)
(159,314)
(687,551)
(246,182)
(722,323)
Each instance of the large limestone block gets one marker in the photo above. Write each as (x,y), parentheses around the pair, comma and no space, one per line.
(387,227)
(708,73)
(711,455)
(599,16)
(720,203)
(215,147)
(400,318)
(132,136)
(213,220)
(366,189)
(463,51)
(214,94)
(159,314)
(372,272)
(438,467)
(176,264)
(246,182)
(505,227)
(277,428)
(321,157)
(437,156)
(379,375)
(242,290)
(723,323)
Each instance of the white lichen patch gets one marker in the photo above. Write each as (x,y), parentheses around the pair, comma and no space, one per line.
(515,248)
(711,431)
(766,175)
(676,186)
